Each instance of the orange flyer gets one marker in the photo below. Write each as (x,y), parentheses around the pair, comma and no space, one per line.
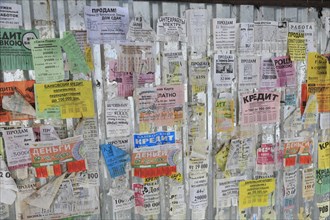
(24,88)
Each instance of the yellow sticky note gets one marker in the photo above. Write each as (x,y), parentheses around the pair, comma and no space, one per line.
(72,99)
(324,155)
(255,193)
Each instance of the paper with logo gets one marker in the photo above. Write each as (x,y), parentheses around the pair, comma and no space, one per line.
(323,155)
(224,67)
(224,34)
(140,31)
(16,48)
(256,193)
(17,147)
(116,159)
(17,103)
(71,99)
(308,183)
(308,29)
(297,152)
(8,186)
(47,60)
(296,46)
(268,76)
(118,117)
(50,153)
(76,58)
(105,24)
(171,29)
(161,105)
(245,38)
(248,72)
(285,71)
(227,191)
(322,183)
(260,107)
(10,15)
(224,114)
(44,197)
(25,89)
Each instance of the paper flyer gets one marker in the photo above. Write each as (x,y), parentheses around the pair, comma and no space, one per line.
(260,107)
(268,77)
(224,34)
(118,118)
(256,193)
(161,105)
(48,153)
(224,114)
(72,99)
(11,15)
(170,28)
(224,70)
(16,48)
(17,147)
(76,58)
(308,30)
(47,60)
(285,71)
(296,46)
(245,38)
(140,31)
(197,31)
(265,36)
(105,24)
(115,159)
(248,72)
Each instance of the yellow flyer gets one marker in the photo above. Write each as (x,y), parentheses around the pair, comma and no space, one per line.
(296,46)
(324,155)
(255,193)
(317,68)
(72,99)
